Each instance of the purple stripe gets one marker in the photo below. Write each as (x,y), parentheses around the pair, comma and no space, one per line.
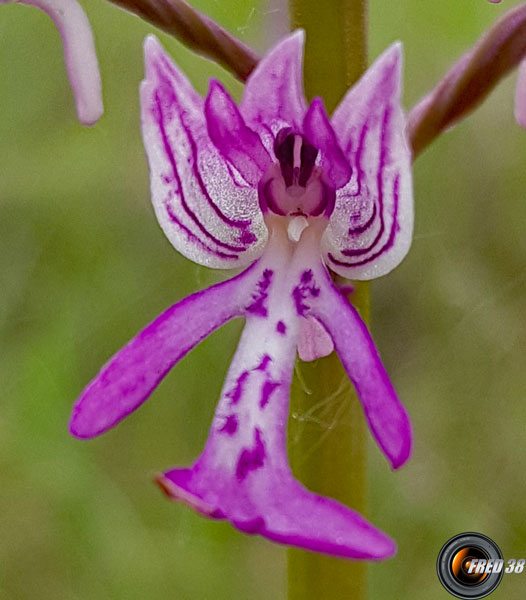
(169,67)
(266,391)
(381,92)
(251,459)
(330,201)
(359,153)
(326,204)
(383,160)
(359,177)
(305,289)
(266,199)
(267,128)
(281,327)
(380,187)
(230,426)
(259,297)
(264,363)
(361,228)
(233,178)
(184,204)
(390,241)
(236,392)
(169,210)
(194,238)
(234,223)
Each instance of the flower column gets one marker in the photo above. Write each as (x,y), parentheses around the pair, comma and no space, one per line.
(336,57)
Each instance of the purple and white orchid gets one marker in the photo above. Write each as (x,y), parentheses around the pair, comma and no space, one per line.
(277,187)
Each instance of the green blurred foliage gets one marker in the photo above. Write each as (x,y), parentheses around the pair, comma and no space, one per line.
(84,265)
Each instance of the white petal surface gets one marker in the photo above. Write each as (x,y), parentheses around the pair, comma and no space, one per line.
(371,227)
(206,209)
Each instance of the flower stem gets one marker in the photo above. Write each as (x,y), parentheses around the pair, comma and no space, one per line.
(327,436)
(196,31)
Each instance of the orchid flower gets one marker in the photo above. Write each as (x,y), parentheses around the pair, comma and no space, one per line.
(79,54)
(277,187)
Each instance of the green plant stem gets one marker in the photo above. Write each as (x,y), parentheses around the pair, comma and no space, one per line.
(327,432)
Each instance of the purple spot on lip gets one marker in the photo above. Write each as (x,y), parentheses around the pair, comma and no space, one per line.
(266,391)
(230,426)
(281,327)
(264,363)
(307,287)
(258,305)
(237,391)
(306,276)
(251,459)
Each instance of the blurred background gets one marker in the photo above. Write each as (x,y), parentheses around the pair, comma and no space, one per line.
(84,266)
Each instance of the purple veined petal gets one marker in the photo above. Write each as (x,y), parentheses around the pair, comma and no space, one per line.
(79,54)
(520,95)
(243,474)
(319,132)
(238,144)
(371,227)
(273,97)
(206,209)
(385,414)
(127,380)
